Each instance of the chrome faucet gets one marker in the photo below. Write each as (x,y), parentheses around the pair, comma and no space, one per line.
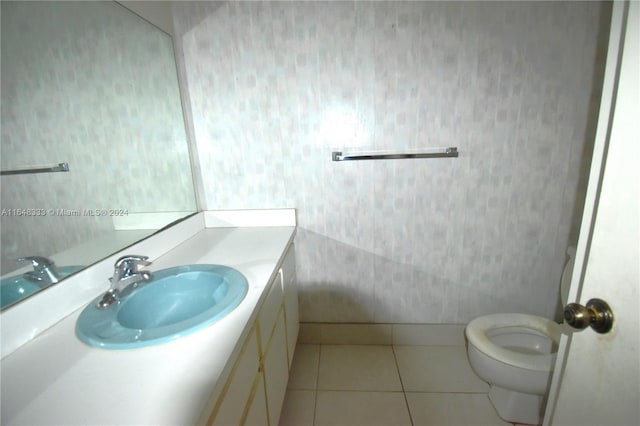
(126,278)
(44,270)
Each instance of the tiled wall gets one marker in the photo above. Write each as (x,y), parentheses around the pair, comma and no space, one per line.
(276,86)
(93,85)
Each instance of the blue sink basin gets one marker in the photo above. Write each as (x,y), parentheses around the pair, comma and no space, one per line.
(174,303)
(17,287)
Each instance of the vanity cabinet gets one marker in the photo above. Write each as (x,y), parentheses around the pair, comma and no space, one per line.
(276,368)
(257,406)
(290,290)
(237,390)
(254,391)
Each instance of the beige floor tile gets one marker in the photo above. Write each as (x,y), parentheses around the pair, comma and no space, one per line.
(298,408)
(358,367)
(429,334)
(304,369)
(345,334)
(454,409)
(340,408)
(437,369)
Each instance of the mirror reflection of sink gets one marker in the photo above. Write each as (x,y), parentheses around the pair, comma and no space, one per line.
(17,287)
(174,303)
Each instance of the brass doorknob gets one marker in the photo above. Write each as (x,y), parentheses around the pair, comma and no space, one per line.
(596,314)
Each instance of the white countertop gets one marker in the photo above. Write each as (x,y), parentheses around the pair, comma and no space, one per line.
(56,379)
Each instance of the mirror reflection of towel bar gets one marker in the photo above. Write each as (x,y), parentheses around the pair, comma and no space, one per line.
(341,156)
(61,167)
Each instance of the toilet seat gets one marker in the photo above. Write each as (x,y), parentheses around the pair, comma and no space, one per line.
(476,331)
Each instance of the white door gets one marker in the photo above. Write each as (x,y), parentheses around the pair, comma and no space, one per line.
(597,376)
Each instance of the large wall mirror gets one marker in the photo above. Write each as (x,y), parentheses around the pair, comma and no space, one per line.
(92,85)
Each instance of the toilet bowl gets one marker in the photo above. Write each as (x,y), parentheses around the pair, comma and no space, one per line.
(516,354)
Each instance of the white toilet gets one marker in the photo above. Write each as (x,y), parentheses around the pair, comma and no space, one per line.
(516,354)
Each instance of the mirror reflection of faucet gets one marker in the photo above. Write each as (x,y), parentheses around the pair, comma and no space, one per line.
(126,278)
(44,270)
(45,273)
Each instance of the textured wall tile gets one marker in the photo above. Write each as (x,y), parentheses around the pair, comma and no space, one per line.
(411,240)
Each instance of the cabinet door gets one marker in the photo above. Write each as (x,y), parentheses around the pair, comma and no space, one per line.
(276,370)
(290,301)
(269,312)
(232,403)
(257,412)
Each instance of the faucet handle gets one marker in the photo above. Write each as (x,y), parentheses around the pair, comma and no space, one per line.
(44,270)
(128,264)
(39,263)
(126,278)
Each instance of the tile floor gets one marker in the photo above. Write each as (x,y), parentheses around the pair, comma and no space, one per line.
(346,385)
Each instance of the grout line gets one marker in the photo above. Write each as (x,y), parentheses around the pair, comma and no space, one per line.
(404,394)
(318,367)
(450,392)
(315,400)
(361,391)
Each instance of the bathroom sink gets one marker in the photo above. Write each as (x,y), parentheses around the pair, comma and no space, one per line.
(174,303)
(17,287)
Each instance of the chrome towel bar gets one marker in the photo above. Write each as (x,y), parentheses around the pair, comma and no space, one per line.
(61,167)
(381,155)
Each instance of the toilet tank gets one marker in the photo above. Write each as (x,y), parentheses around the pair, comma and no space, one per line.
(565,280)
